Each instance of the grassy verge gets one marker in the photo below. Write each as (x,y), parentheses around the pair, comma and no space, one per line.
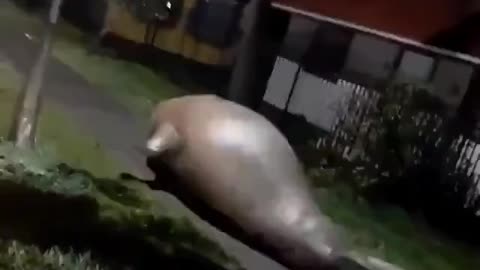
(134,85)
(59,136)
(58,208)
(18,256)
(389,233)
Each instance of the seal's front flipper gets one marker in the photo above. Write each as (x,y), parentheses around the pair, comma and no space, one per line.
(164,137)
(153,184)
(164,175)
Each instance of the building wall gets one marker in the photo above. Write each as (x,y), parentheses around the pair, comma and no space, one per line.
(418,20)
(372,57)
(377,59)
(414,67)
(298,38)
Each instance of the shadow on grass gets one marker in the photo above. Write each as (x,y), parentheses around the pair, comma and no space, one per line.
(48,219)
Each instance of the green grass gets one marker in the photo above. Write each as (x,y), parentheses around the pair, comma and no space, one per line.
(55,132)
(18,256)
(388,233)
(48,204)
(117,220)
(134,85)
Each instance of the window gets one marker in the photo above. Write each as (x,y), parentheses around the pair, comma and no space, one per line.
(328,50)
(371,57)
(451,80)
(414,67)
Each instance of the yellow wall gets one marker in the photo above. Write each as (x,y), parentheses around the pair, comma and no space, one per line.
(174,40)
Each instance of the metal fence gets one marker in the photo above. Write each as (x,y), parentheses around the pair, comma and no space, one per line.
(350,114)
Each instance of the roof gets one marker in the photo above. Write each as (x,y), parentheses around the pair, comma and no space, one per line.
(385,35)
(414,19)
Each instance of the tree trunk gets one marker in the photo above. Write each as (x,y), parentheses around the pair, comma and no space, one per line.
(23,131)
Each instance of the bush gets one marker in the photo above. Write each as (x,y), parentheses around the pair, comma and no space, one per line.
(391,234)
(402,141)
(393,173)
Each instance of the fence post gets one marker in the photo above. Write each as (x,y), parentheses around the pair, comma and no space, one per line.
(290,94)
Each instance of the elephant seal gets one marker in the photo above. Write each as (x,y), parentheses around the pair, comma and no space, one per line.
(237,171)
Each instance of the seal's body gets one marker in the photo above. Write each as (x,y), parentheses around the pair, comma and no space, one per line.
(235,162)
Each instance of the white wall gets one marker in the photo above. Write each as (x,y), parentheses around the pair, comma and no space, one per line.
(320,101)
(280,82)
(316,99)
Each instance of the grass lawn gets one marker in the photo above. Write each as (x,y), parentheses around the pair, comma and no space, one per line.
(388,233)
(134,85)
(68,211)
(56,132)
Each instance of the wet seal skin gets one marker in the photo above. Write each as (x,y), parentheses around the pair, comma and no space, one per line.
(234,169)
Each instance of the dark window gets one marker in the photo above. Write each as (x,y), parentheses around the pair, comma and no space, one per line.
(328,50)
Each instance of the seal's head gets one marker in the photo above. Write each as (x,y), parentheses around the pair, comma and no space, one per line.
(162,138)
(259,195)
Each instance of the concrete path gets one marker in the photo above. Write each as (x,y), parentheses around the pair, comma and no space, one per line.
(114,127)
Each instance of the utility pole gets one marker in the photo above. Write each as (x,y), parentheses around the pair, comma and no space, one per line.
(26,116)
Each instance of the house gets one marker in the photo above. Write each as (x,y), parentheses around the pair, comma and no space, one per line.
(369,43)
(420,21)
(174,38)
(342,46)
(202,46)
